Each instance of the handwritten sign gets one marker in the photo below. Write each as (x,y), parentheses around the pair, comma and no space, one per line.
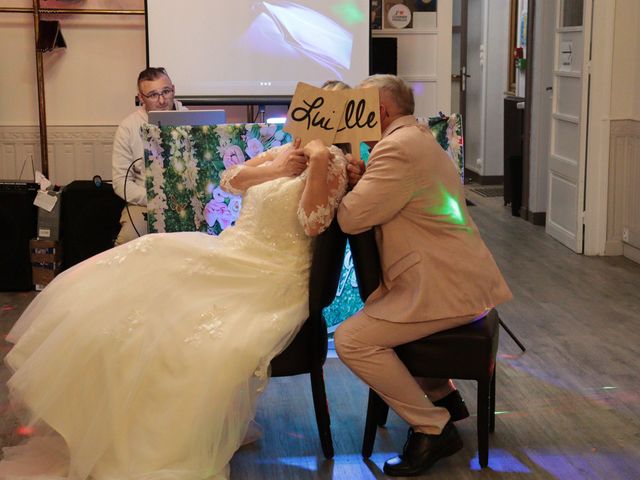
(361,119)
(314,114)
(344,116)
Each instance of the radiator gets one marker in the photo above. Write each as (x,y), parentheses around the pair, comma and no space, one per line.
(623,211)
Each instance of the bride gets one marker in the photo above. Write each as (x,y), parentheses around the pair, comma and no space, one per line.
(145,362)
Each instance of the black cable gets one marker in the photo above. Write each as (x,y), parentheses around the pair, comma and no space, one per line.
(124,193)
(261,109)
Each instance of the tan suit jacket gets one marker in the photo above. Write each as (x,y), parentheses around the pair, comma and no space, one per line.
(434,263)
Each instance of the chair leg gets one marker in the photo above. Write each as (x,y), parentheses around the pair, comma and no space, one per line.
(322,411)
(492,403)
(483,421)
(374,408)
(383,413)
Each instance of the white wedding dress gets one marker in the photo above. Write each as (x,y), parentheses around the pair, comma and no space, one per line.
(145,362)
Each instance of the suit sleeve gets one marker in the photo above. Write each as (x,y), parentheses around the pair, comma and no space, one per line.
(384,189)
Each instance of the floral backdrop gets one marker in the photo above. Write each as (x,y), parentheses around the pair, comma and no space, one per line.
(183,173)
(448,133)
(183,166)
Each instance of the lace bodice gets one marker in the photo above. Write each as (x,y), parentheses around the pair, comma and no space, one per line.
(271,210)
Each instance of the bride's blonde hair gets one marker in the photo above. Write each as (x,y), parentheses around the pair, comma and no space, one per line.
(335,85)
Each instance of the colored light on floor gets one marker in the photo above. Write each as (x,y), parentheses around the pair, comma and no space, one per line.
(24,431)
(501,461)
(340,466)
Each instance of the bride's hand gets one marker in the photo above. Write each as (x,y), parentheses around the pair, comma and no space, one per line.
(316,150)
(291,162)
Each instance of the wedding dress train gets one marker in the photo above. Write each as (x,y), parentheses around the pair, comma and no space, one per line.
(146,360)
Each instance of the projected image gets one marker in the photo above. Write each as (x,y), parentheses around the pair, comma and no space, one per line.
(287,30)
(258,47)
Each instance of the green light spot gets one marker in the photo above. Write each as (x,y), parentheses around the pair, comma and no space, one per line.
(609,388)
(455,210)
(449,208)
(349,12)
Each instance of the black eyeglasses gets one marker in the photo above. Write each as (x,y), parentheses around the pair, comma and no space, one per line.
(165,92)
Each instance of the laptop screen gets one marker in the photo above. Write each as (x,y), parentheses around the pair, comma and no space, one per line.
(176,118)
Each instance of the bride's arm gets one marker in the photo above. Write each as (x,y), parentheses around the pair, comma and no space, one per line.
(325,186)
(286,161)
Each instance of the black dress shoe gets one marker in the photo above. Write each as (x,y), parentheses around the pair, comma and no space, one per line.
(422,450)
(455,404)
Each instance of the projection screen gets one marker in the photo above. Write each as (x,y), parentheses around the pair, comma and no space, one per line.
(249,49)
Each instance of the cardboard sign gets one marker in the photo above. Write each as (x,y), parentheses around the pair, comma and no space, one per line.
(344,116)
(314,114)
(360,120)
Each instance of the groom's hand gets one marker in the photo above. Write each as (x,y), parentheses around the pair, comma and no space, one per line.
(355,169)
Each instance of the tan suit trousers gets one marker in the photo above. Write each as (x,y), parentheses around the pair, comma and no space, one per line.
(127,232)
(365,344)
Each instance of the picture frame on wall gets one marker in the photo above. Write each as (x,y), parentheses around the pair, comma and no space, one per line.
(416,14)
(376,14)
(398,14)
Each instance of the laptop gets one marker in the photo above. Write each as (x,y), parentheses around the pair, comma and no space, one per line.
(176,118)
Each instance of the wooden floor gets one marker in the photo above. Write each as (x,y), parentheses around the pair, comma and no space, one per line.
(569,408)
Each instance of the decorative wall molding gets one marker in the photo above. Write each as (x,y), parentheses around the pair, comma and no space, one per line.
(75,152)
(623,213)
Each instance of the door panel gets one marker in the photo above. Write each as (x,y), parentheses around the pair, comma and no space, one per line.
(562,211)
(567,151)
(569,94)
(566,143)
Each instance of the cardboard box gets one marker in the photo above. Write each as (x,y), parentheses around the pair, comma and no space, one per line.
(49,222)
(46,261)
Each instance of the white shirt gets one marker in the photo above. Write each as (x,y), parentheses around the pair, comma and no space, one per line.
(128,148)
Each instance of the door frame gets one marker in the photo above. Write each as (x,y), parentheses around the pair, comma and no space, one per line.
(462,75)
(599,129)
(528,96)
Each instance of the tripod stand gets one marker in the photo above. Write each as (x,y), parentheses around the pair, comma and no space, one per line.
(512,335)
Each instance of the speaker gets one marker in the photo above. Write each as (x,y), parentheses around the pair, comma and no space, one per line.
(18,223)
(384,55)
(50,36)
(89,221)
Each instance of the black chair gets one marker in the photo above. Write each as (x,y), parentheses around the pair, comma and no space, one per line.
(308,350)
(466,352)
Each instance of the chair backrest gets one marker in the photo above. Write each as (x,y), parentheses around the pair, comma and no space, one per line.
(308,350)
(326,264)
(366,262)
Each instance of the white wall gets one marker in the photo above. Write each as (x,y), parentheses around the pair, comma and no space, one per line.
(474,134)
(497,68)
(91,82)
(625,95)
(487,61)
(542,66)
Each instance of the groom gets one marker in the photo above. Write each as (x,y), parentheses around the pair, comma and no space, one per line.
(436,273)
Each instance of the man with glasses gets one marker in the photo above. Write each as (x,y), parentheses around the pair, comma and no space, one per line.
(155,92)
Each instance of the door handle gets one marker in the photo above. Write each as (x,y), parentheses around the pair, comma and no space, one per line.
(464,76)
